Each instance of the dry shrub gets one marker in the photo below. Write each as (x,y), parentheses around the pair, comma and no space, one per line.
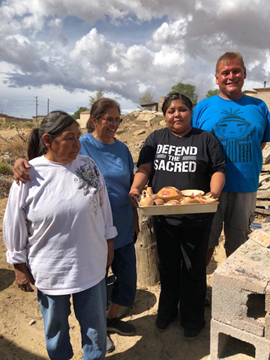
(5,185)
(19,147)
(14,147)
(5,169)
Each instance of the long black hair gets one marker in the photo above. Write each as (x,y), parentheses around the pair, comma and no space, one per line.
(176,96)
(54,124)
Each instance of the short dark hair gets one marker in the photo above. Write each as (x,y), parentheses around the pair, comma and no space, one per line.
(228,56)
(54,124)
(98,109)
(176,96)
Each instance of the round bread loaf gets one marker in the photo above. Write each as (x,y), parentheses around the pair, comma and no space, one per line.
(169,193)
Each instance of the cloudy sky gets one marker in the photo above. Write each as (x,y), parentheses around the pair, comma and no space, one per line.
(64,50)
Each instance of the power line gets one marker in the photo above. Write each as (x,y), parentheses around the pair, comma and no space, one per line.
(61,106)
(19,111)
(18,107)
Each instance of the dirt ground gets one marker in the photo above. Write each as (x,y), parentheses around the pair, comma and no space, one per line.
(21,327)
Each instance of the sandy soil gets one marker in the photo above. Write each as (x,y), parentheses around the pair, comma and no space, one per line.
(21,327)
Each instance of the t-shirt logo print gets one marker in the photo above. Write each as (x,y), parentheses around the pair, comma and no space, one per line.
(234,133)
(88,177)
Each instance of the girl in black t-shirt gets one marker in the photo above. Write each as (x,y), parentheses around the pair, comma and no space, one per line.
(185,158)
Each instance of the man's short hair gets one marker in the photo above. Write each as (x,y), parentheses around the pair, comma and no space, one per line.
(228,56)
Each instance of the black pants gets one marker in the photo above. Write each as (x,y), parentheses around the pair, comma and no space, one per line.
(182,252)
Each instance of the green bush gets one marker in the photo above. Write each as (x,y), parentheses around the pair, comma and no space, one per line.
(5,125)
(26,124)
(5,169)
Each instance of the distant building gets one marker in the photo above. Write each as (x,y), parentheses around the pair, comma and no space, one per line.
(84,116)
(152,106)
(260,93)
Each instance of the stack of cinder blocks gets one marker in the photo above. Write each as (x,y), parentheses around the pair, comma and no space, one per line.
(240,322)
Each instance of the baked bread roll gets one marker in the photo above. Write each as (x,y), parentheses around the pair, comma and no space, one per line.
(198,200)
(169,193)
(159,202)
(172,202)
(190,200)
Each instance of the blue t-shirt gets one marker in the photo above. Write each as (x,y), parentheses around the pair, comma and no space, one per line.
(116,165)
(240,126)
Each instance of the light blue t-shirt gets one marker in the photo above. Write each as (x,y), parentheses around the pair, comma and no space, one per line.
(240,126)
(116,165)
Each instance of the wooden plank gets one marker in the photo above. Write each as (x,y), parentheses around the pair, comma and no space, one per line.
(266,167)
(263,203)
(264,178)
(265,186)
(266,154)
(263,194)
(262,211)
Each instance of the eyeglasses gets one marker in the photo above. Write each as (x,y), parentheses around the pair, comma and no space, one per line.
(112,120)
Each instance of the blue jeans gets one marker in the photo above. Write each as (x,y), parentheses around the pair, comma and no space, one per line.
(124,268)
(90,311)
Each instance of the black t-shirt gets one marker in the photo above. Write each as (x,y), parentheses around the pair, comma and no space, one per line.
(183,162)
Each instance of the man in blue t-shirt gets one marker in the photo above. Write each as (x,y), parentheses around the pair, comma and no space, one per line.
(242,125)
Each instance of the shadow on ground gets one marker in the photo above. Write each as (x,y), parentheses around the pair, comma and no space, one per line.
(12,352)
(7,278)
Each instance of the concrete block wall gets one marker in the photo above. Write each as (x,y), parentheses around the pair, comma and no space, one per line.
(241,300)
(226,340)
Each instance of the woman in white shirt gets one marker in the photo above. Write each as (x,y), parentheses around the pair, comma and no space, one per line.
(59,234)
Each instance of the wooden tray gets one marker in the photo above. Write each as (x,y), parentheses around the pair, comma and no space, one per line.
(179,209)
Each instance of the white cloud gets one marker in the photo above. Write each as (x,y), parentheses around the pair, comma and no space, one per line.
(183,47)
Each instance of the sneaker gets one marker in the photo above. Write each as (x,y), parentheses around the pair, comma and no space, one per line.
(162,325)
(191,334)
(120,327)
(110,345)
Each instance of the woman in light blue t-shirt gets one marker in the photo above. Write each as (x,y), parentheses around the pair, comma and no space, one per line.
(116,165)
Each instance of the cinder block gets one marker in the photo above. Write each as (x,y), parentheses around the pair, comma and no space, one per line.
(241,294)
(267,298)
(267,326)
(227,342)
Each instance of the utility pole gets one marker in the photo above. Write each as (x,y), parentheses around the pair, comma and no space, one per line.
(48,110)
(36,108)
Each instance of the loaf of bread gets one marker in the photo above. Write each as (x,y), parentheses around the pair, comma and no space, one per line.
(169,193)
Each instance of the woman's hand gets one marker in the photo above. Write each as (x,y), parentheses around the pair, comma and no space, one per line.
(19,171)
(23,277)
(110,243)
(140,180)
(216,184)
(211,195)
(134,196)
